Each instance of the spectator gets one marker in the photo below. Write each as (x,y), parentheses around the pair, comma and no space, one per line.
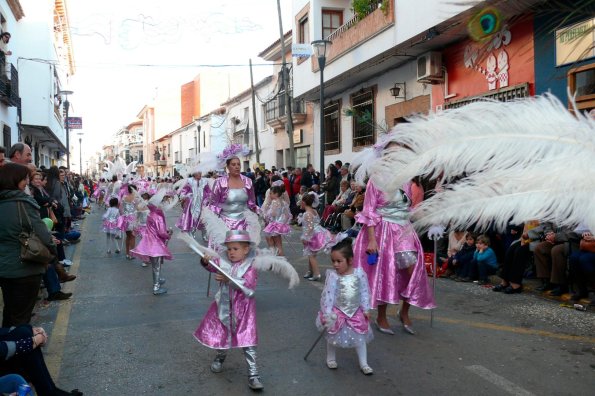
(286,183)
(2,156)
(331,186)
(19,281)
(4,52)
(456,241)
(551,259)
(461,261)
(307,176)
(357,204)
(515,260)
(484,262)
(20,352)
(20,153)
(339,201)
(582,267)
(344,172)
(261,185)
(338,164)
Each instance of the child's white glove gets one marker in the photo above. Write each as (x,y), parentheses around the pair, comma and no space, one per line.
(329,320)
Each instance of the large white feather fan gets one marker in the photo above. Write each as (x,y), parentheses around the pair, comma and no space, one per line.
(515,161)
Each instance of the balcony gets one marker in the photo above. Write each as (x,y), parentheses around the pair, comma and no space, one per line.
(9,84)
(357,31)
(275,112)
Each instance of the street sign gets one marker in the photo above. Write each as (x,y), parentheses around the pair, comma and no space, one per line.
(75,122)
(301,50)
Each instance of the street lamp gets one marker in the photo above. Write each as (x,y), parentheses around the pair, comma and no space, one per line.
(320,47)
(80,154)
(66,108)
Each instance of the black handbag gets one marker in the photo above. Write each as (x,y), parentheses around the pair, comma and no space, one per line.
(33,250)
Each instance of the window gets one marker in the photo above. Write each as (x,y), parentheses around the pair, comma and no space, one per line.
(6,136)
(363,118)
(304,31)
(332,130)
(581,81)
(331,21)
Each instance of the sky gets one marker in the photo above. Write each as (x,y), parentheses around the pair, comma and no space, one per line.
(124,49)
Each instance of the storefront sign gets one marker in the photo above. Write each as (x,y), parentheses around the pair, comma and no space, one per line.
(75,122)
(575,43)
(301,50)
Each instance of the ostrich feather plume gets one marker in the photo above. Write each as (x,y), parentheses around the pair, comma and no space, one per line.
(254,227)
(214,226)
(520,160)
(267,260)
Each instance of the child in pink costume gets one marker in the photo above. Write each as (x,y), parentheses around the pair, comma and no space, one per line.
(276,215)
(153,247)
(344,307)
(223,327)
(314,237)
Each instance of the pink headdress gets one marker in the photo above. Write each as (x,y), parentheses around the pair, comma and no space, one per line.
(231,151)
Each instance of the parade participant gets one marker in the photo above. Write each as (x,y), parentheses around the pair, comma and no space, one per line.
(314,236)
(344,307)
(99,193)
(153,247)
(388,248)
(142,212)
(276,216)
(233,193)
(127,219)
(110,225)
(230,322)
(192,195)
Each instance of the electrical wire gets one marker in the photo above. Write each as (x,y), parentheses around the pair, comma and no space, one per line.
(56,62)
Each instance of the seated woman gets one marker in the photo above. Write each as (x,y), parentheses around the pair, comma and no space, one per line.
(347,218)
(582,266)
(456,240)
(20,353)
(339,201)
(515,261)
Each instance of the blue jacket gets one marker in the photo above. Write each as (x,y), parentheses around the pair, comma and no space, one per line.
(487,256)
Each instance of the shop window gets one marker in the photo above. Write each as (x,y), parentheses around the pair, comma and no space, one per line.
(331,21)
(332,129)
(581,81)
(363,118)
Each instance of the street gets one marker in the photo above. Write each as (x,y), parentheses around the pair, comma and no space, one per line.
(114,337)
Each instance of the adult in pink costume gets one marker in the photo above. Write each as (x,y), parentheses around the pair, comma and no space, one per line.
(153,247)
(231,195)
(193,194)
(399,273)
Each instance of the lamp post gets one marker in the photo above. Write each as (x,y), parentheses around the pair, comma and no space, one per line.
(320,47)
(66,108)
(81,154)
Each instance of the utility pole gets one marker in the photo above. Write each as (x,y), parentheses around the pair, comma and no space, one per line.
(285,76)
(256,146)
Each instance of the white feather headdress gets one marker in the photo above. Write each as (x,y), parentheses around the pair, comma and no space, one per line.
(520,160)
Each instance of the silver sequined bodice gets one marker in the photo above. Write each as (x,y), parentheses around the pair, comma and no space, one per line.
(348,296)
(235,204)
(128,208)
(397,209)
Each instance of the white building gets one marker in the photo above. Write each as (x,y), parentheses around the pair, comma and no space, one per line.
(240,124)
(11,14)
(46,62)
(370,54)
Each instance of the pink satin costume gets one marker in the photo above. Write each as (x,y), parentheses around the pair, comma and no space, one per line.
(398,248)
(193,193)
(229,204)
(155,237)
(224,327)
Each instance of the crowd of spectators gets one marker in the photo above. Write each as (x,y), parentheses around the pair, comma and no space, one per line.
(46,203)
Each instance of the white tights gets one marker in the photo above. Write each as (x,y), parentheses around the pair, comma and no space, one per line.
(361,349)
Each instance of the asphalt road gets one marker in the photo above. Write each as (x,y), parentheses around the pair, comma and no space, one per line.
(114,337)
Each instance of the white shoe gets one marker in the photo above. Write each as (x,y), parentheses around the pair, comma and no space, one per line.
(66,262)
(143,264)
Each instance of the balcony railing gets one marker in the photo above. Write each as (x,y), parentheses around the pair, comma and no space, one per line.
(276,108)
(9,83)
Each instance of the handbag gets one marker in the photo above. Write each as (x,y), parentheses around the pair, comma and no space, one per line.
(587,246)
(33,250)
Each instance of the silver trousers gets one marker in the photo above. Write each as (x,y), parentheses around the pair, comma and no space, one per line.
(157,278)
(249,355)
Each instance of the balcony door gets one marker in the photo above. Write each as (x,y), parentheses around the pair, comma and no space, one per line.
(331,21)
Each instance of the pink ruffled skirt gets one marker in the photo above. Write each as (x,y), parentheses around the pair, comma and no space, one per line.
(274,229)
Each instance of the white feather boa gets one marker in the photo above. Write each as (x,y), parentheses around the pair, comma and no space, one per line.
(528,159)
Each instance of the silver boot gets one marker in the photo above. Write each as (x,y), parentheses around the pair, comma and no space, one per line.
(156,265)
(253,377)
(217,365)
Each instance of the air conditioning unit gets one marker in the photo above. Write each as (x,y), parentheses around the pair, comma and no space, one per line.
(429,68)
